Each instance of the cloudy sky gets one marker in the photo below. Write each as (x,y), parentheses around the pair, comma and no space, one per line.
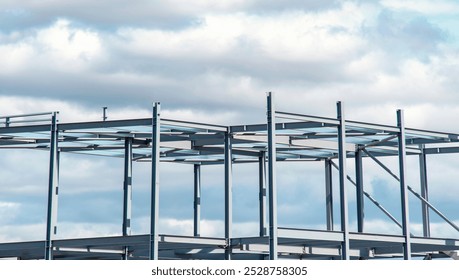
(214,61)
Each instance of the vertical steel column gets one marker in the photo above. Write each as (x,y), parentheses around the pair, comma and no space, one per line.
(228,195)
(197,201)
(424,192)
(360,191)
(343,180)
(329,193)
(272,188)
(127,187)
(104,113)
(403,186)
(127,191)
(53,188)
(155,148)
(262,192)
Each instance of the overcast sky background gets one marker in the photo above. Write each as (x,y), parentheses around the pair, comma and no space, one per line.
(213,61)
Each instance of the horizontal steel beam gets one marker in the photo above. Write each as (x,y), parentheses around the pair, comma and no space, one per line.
(308,118)
(319,235)
(300,250)
(441,150)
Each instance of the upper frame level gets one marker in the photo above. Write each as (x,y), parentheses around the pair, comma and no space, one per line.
(285,137)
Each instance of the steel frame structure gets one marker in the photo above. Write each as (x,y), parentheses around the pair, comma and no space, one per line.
(285,137)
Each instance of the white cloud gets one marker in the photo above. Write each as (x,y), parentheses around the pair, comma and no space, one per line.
(442,175)
(444,229)
(291,37)
(209,228)
(383,227)
(215,36)
(297,37)
(15,57)
(81,230)
(199,116)
(69,44)
(23,173)
(8,211)
(23,232)
(424,6)
(439,230)
(60,46)
(68,111)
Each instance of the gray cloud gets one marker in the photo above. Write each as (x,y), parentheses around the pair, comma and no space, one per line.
(151,13)
(123,69)
(407,37)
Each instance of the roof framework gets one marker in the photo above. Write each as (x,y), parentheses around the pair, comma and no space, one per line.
(285,137)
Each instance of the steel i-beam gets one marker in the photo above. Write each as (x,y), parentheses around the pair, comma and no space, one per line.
(154,216)
(272,188)
(424,192)
(228,195)
(262,192)
(197,200)
(403,186)
(127,187)
(53,188)
(342,181)
(360,191)
(329,193)
(127,191)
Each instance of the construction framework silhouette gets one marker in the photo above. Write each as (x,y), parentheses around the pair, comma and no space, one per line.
(285,137)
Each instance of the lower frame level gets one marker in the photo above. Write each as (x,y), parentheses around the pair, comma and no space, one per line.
(293,244)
